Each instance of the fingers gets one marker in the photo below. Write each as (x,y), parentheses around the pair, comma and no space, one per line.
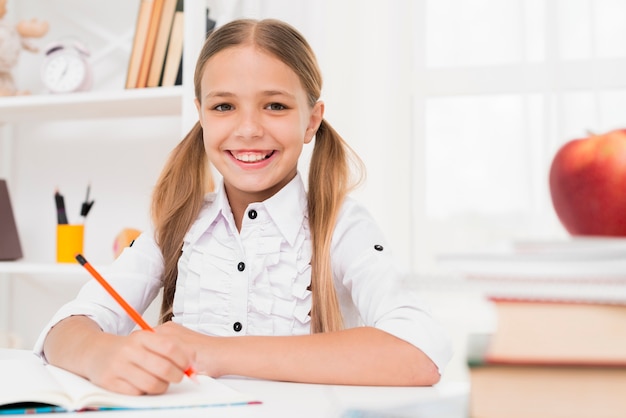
(187,338)
(141,363)
(177,357)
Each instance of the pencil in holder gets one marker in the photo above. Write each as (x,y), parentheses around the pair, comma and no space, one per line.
(69,242)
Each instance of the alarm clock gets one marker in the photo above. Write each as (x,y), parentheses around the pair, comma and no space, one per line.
(66,67)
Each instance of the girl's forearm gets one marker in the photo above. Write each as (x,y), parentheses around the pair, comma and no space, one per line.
(359,356)
(65,345)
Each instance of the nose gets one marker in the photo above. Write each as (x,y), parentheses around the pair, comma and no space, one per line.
(249,125)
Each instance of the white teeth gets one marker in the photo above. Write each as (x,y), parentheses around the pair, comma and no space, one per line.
(250,157)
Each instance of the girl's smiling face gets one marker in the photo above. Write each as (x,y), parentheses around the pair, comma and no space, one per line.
(256,118)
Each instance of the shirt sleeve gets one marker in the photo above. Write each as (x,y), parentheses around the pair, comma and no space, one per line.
(135,275)
(365,268)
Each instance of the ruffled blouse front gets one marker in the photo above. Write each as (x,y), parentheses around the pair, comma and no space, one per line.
(254,282)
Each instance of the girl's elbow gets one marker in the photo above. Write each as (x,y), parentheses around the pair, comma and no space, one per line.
(430,375)
(424,371)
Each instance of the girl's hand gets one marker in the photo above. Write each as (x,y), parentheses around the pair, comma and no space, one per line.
(142,363)
(207,348)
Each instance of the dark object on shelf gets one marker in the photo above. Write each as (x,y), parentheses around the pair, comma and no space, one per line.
(10,248)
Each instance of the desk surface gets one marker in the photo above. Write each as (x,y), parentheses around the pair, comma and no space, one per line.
(283,399)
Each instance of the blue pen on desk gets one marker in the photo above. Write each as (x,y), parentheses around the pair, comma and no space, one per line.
(60,205)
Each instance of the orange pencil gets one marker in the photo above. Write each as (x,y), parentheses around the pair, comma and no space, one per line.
(129,309)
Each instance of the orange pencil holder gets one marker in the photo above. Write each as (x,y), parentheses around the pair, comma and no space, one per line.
(69,242)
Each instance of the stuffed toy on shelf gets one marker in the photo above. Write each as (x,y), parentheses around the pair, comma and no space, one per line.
(14,38)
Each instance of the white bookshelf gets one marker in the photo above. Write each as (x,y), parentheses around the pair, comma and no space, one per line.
(130,103)
(107,101)
(68,270)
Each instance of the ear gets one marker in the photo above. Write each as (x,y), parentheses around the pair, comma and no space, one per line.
(317,114)
(197,103)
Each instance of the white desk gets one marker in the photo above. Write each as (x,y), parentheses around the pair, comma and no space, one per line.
(281,400)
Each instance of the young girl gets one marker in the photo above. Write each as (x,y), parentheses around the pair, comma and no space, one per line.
(259,277)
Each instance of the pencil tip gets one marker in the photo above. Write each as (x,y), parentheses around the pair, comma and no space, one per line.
(191,373)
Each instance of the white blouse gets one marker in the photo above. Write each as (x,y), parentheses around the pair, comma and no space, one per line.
(254,282)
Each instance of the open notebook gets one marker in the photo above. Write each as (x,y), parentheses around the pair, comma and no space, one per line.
(10,248)
(29,386)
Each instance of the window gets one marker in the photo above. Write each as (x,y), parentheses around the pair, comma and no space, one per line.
(499,85)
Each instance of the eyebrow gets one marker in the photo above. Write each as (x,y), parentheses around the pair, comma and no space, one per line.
(266,93)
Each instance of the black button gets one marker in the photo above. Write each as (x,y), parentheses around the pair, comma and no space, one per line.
(378,247)
(252,214)
(237,326)
(241,266)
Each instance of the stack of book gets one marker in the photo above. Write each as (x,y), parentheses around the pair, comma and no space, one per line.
(559,345)
(156,55)
(156,58)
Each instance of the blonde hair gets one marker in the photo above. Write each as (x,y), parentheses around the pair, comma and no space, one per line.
(186,177)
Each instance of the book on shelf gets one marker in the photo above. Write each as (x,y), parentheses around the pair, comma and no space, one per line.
(148,52)
(179,74)
(174,52)
(30,386)
(525,389)
(139,42)
(172,74)
(160,45)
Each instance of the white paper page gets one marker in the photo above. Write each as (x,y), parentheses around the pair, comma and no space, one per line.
(186,393)
(28,381)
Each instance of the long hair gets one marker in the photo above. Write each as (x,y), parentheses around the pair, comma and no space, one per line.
(176,202)
(186,177)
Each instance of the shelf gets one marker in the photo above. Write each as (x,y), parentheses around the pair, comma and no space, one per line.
(40,268)
(158,101)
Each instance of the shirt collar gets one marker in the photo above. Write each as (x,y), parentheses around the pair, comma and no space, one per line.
(214,204)
(287,208)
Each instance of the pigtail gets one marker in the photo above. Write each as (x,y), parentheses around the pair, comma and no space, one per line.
(329,183)
(176,202)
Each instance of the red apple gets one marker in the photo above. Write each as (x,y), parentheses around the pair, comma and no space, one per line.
(588,184)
